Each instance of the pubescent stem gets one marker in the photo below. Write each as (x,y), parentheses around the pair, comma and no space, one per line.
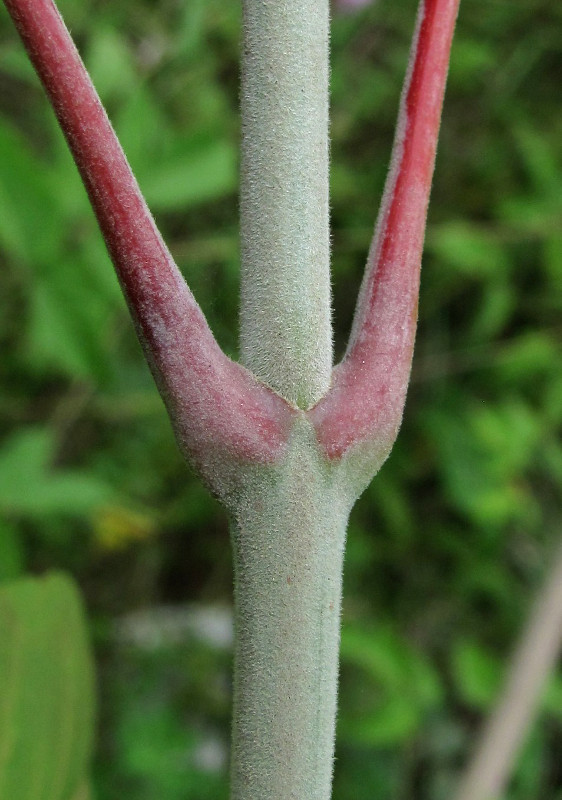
(288,541)
(285,312)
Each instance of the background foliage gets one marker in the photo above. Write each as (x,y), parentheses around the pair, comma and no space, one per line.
(447,546)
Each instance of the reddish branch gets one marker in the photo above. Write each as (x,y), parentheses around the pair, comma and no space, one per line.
(216,405)
(369,386)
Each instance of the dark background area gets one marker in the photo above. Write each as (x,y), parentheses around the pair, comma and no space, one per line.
(451,541)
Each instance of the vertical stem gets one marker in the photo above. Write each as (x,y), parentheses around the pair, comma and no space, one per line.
(288,543)
(285,316)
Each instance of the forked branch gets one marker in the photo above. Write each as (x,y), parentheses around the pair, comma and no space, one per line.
(288,522)
(216,406)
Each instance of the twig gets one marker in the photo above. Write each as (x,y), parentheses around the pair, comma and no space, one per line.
(533,660)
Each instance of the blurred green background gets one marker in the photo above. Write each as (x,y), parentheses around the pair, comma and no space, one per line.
(448,545)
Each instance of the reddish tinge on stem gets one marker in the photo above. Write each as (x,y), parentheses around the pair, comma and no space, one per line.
(369,386)
(217,407)
(215,404)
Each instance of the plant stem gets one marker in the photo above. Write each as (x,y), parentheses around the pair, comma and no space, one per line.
(285,316)
(369,386)
(218,410)
(288,541)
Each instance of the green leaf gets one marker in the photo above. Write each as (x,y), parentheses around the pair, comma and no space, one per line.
(11,555)
(529,357)
(84,792)
(47,698)
(143,130)
(473,59)
(69,309)
(29,488)
(203,171)
(16,63)
(396,688)
(552,697)
(471,251)
(540,159)
(477,673)
(483,452)
(29,222)
(531,766)
(191,31)
(109,63)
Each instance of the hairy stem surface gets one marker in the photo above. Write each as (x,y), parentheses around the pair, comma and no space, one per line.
(288,539)
(285,324)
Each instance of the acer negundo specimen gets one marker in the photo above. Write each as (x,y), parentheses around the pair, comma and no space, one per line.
(284,439)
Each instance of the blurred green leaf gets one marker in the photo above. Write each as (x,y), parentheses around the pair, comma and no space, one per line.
(191,28)
(109,63)
(201,171)
(29,224)
(483,450)
(30,488)
(473,60)
(552,257)
(143,130)
(498,301)
(11,552)
(69,316)
(476,673)
(471,251)
(47,699)
(528,777)
(16,63)
(552,698)
(396,687)
(536,208)
(84,792)
(71,295)
(539,157)
(176,168)
(529,356)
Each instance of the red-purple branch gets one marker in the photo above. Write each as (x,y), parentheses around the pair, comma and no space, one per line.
(217,406)
(214,403)
(369,386)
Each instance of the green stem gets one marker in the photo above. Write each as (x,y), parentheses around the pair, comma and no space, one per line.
(288,541)
(285,317)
